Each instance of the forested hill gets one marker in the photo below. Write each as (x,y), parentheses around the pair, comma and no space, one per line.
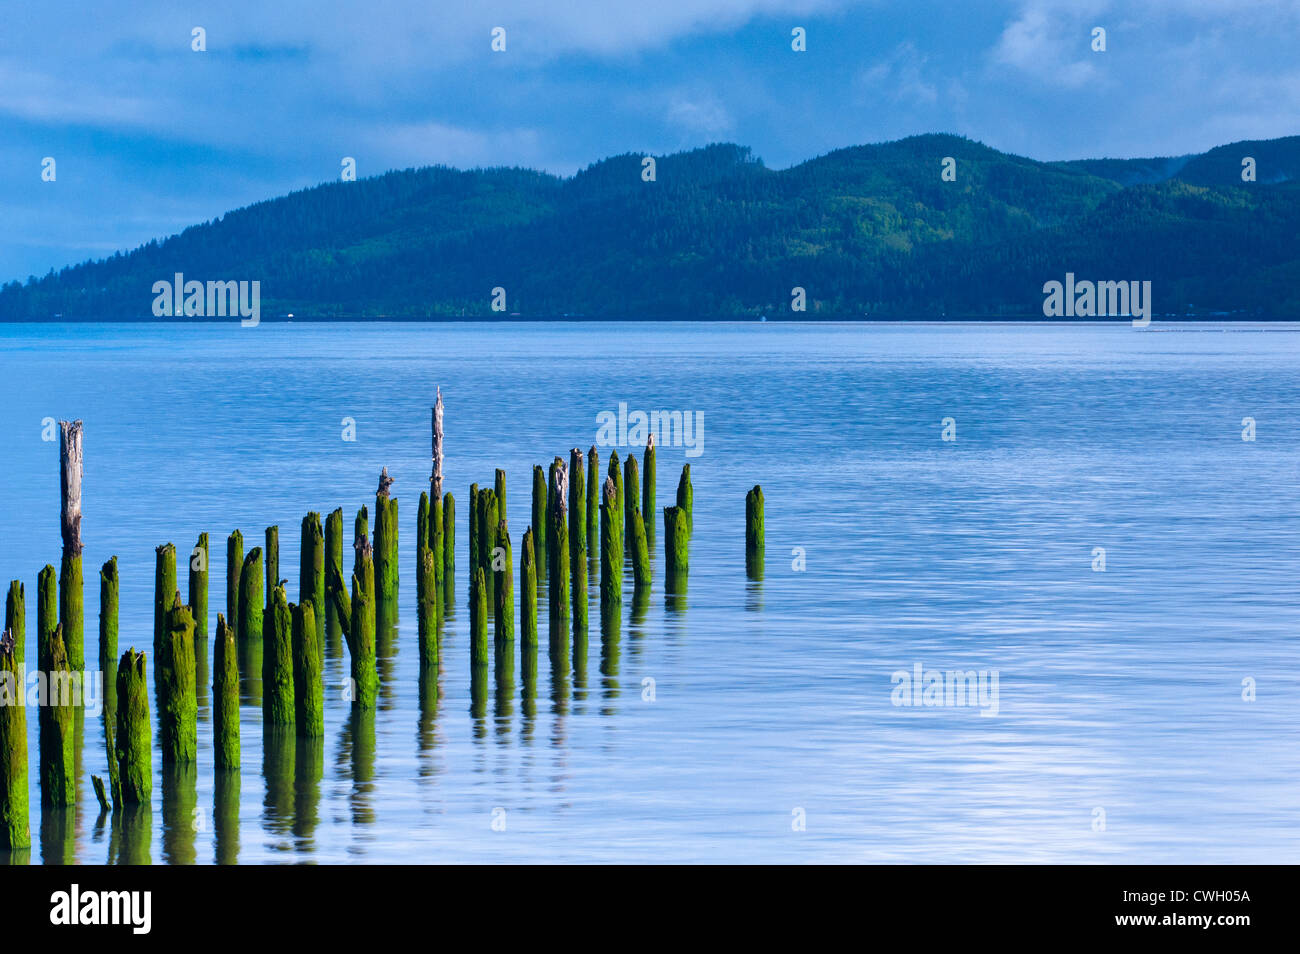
(869,230)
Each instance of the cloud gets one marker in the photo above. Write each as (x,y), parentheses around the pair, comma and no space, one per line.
(703,115)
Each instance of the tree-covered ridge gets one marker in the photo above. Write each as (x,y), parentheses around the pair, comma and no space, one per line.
(868,230)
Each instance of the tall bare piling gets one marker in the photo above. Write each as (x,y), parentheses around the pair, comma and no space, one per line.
(199,586)
(386,563)
(177,698)
(251,612)
(15,822)
(437,527)
(132,741)
(309,692)
(71,583)
(234,567)
(539,516)
(225,697)
(277,661)
(557,532)
(578,539)
(755,544)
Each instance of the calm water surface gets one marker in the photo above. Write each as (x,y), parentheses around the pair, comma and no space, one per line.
(1119,691)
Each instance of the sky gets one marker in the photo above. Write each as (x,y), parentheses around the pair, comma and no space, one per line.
(149,136)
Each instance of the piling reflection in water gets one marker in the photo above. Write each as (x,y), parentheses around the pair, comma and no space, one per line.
(225,816)
(181,822)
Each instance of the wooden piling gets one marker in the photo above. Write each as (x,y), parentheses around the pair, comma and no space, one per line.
(16,617)
(540,518)
(557,533)
(473,536)
(755,544)
(478,645)
(428,608)
(592,518)
(648,488)
(357,621)
(277,661)
(448,576)
(631,496)
(164,592)
(333,558)
(251,612)
(270,564)
(528,588)
(198,580)
(234,567)
(177,697)
(386,562)
(311,575)
(15,826)
(640,552)
(615,471)
(500,491)
(309,691)
(578,539)
(134,755)
(56,715)
(686,498)
(503,593)
(486,530)
(71,583)
(108,620)
(445,562)
(225,697)
(676,549)
(611,550)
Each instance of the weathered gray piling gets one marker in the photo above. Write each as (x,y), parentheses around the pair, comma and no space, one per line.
(676,549)
(132,743)
(71,582)
(386,563)
(277,661)
(578,539)
(199,586)
(540,493)
(234,567)
(686,498)
(648,487)
(503,594)
(611,550)
(333,558)
(225,697)
(16,617)
(249,627)
(177,697)
(311,574)
(528,588)
(558,534)
(444,562)
(592,513)
(754,536)
(309,692)
(15,826)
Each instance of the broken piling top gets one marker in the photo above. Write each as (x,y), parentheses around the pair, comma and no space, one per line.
(384,483)
(70,468)
(435,478)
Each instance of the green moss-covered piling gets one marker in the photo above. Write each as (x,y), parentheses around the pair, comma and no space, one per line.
(334,558)
(277,661)
(578,539)
(271,563)
(640,551)
(473,536)
(686,498)
(16,617)
(423,525)
(225,698)
(528,593)
(557,533)
(428,608)
(132,742)
(177,698)
(234,567)
(72,615)
(199,586)
(676,549)
(357,620)
(486,530)
(754,537)
(249,626)
(448,574)
(539,516)
(108,617)
(478,645)
(435,535)
(47,610)
(648,487)
(56,719)
(386,562)
(503,593)
(592,512)
(500,491)
(615,471)
(15,822)
(309,691)
(311,574)
(631,497)
(611,549)
(164,592)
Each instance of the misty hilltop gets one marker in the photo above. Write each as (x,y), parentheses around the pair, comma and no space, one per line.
(865,231)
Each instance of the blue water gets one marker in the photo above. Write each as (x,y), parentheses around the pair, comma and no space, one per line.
(1119,691)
